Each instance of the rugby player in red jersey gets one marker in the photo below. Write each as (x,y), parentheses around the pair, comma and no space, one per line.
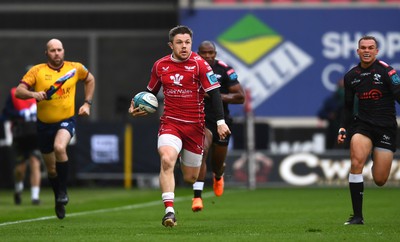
(185,78)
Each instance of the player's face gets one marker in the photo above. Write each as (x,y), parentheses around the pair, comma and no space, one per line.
(55,54)
(208,53)
(367,51)
(181,46)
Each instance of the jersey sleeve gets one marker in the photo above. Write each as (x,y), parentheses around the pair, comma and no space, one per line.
(232,77)
(154,84)
(348,103)
(394,82)
(30,77)
(208,79)
(82,71)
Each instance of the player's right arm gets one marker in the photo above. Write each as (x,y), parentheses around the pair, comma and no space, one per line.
(348,109)
(23,92)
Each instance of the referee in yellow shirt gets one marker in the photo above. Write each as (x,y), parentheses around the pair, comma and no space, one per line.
(53,85)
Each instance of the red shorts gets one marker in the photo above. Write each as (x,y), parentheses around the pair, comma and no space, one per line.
(191,134)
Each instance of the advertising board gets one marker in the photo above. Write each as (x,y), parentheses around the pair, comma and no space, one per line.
(292,58)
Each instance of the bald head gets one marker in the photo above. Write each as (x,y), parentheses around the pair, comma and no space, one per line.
(54,43)
(207,44)
(207,51)
(55,53)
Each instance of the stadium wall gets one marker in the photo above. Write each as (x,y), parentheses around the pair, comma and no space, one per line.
(121,53)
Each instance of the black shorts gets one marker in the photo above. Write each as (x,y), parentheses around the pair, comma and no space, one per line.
(212,126)
(47,133)
(26,146)
(381,137)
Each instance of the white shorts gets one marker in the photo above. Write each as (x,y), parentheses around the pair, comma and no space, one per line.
(188,158)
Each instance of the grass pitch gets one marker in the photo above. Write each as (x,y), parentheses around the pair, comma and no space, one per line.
(267,214)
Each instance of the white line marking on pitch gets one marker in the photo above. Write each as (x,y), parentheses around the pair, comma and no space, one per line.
(105,210)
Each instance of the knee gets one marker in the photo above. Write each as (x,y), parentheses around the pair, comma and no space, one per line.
(51,173)
(357,164)
(167,163)
(380,182)
(59,149)
(190,179)
(51,169)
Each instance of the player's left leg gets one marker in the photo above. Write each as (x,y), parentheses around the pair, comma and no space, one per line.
(382,162)
(61,141)
(198,186)
(218,157)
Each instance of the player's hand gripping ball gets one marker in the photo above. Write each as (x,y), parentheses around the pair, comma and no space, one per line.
(146,101)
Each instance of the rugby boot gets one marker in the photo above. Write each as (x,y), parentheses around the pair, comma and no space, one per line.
(169,220)
(197,204)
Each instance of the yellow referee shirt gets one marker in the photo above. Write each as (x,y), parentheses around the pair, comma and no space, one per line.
(62,103)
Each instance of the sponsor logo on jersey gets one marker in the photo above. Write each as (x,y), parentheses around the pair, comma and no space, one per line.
(190,68)
(355,81)
(374,94)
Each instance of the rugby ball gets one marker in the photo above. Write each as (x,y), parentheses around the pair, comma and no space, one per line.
(146,101)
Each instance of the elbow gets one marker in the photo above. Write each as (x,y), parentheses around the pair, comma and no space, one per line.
(18,93)
(242,99)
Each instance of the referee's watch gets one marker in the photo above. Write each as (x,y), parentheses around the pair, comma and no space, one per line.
(89,102)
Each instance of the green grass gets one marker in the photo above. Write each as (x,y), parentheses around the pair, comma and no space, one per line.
(268,214)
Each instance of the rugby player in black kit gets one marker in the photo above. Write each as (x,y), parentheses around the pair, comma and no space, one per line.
(231,93)
(372,131)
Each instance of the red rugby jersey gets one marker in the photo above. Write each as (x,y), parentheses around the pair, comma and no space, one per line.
(184,84)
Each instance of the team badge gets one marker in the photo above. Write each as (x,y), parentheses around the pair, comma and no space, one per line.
(211,77)
(395,78)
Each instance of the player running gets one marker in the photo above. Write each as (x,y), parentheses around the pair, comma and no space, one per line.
(231,93)
(373,130)
(185,78)
(56,112)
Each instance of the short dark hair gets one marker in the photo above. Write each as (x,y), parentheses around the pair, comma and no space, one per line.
(368,37)
(180,29)
(207,42)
